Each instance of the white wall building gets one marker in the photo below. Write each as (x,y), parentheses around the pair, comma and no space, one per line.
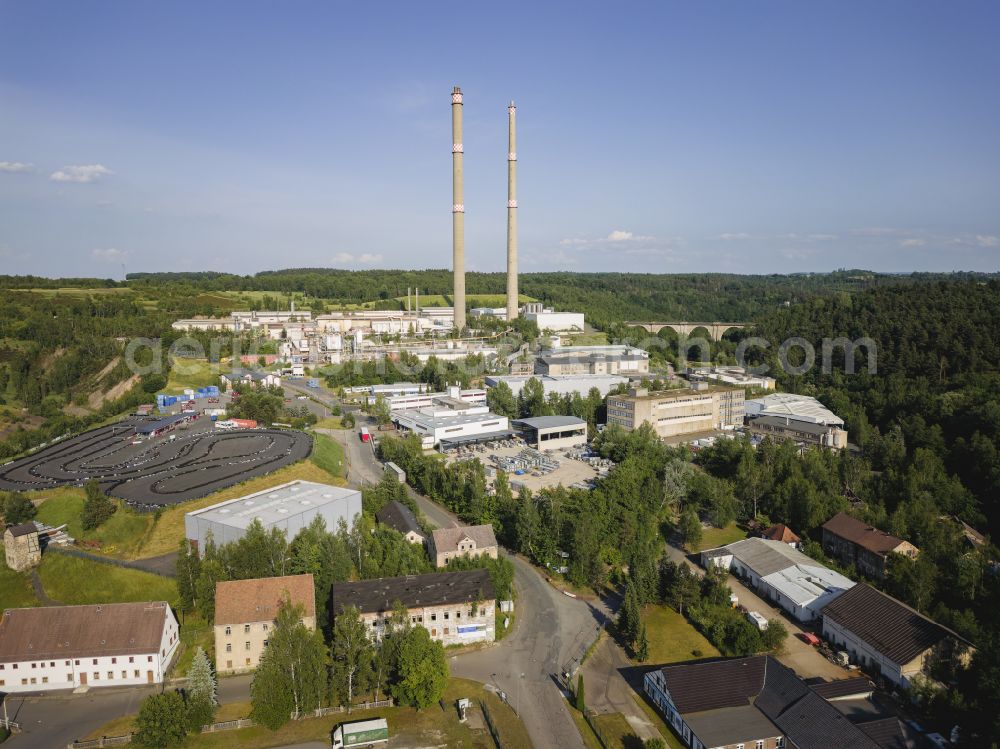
(547,319)
(450,419)
(475,396)
(561,384)
(289,507)
(730,376)
(793,407)
(798,584)
(67,647)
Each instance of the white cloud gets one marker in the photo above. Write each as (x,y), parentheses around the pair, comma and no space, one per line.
(619,235)
(369,258)
(912,243)
(82,173)
(342,258)
(16,167)
(821,237)
(730,236)
(987,240)
(109,254)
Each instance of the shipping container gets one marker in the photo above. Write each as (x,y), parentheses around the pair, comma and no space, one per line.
(244,423)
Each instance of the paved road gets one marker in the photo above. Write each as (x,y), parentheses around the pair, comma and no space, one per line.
(552,630)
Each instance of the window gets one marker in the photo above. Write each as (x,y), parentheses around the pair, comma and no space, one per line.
(229,630)
(265,626)
(111,674)
(131,659)
(248,661)
(52,664)
(458,614)
(77,662)
(35,665)
(265,643)
(114,661)
(246,628)
(229,664)
(34,680)
(446,614)
(24,682)
(247,646)
(69,678)
(97,675)
(124,674)
(45,680)
(434,617)
(136,673)
(780,742)
(739,746)
(95,661)
(760,743)
(446,630)
(229,647)
(149,659)
(434,633)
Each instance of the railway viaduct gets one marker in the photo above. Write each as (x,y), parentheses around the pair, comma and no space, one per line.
(715,329)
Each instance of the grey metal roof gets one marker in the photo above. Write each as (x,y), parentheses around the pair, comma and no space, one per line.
(278,504)
(783,422)
(164,422)
(551,422)
(765,557)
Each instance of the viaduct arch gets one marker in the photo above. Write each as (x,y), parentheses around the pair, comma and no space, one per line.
(715,329)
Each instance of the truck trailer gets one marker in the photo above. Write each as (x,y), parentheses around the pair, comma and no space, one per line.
(361,733)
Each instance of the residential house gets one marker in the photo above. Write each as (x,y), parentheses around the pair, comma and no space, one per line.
(783,533)
(98,645)
(852,542)
(245,611)
(400,518)
(748,703)
(887,638)
(456,608)
(21,547)
(251,377)
(468,540)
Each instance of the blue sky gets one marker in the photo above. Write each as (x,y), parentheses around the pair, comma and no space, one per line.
(664,137)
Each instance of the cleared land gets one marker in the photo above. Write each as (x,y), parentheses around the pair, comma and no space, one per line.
(191,373)
(672,638)
(70,580)
(714,537)
(328,454)
(120,536)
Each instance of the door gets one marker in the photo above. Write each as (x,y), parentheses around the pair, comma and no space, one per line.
(83,678)
(149,677)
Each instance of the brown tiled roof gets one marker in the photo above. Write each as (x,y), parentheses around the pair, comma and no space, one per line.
(447,539)
(432,589)
(781,532)
(244,601)
(889,626)
(862,534)
(22,530)
(82,631)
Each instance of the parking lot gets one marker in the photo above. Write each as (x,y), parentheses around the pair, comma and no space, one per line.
(534,470)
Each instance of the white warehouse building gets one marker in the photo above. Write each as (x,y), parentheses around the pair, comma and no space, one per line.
(450,421)
(777,572)
(102,645)
(561,384)
(289,507)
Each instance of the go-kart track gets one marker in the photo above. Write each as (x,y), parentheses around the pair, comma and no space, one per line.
(157,472)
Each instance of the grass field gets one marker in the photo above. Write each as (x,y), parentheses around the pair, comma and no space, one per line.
(672,638)
(328,454)
(120,536)
(590,739)
(194,632)
(79,581)
(190,373)
(713,537)
(330,422)
(15,588)
(166,534)
(589,339)
(432,726)
(617,733)
(78,292)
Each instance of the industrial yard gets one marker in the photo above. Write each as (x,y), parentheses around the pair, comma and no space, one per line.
(534,470)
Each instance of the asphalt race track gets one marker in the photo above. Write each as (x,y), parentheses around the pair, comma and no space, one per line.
(157,472)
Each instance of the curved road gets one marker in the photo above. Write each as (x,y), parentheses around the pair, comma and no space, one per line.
(552,630)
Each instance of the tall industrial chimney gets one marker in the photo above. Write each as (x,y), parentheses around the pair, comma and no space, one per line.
(512,304)
(458,208)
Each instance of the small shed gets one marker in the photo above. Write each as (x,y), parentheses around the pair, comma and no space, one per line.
(21,548)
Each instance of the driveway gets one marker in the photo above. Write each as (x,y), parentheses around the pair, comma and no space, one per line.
(804,659)
(607,691)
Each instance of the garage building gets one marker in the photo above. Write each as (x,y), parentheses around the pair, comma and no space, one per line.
(552,432)
(289,507)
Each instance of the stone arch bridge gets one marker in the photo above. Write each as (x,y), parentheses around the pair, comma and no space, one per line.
(715,329)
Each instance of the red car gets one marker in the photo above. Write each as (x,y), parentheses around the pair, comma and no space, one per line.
(808,638)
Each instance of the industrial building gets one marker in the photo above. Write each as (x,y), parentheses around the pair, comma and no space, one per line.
(245,611)
(888,638)
(449,421)
(289,507)
(804,433)
(476,396)
(592,360)
(548,319)
(97,645)
(730,375)
(563,384)
(793,406)
(456,608)
(251,377)
(552,432)
(754,701)
(780,573)
(678,412)
(161,426)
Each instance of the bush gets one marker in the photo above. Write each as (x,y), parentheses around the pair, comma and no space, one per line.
(17,508)
(162,721)
(97,507)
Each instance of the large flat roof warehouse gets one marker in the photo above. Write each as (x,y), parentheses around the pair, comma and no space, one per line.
(156,426)
(793,406)
(290,507)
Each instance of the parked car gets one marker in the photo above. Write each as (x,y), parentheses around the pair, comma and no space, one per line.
(808,638)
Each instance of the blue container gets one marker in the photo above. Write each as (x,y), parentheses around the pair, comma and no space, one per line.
(214,417)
